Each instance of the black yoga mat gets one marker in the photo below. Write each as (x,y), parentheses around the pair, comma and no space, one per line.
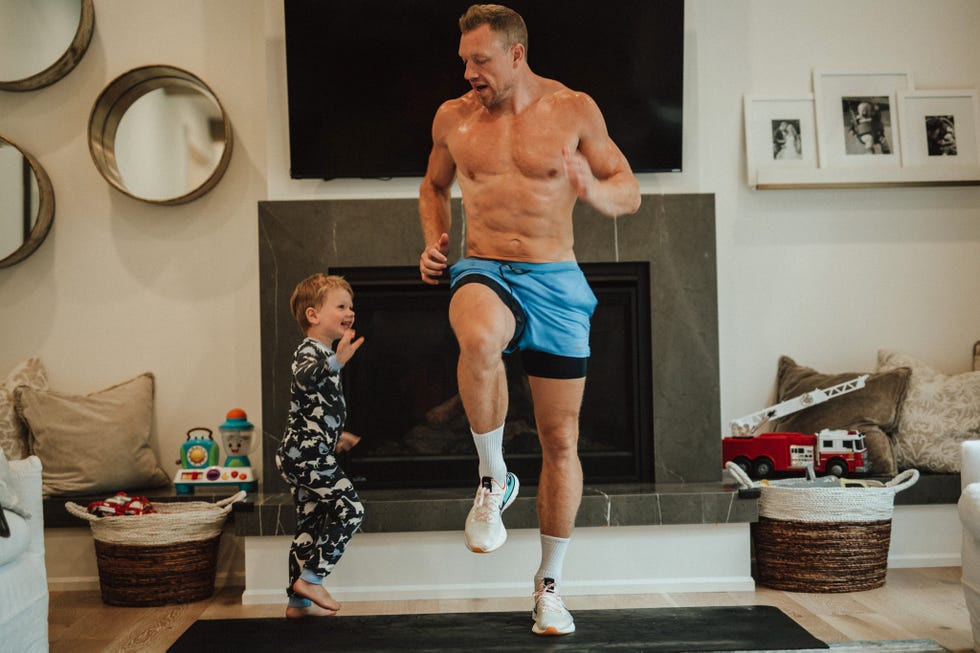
(736,628)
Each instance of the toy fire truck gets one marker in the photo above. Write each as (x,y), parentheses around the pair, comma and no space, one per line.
(831,451)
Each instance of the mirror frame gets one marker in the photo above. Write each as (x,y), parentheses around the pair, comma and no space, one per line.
(113,103)
(67,62)
(45,210)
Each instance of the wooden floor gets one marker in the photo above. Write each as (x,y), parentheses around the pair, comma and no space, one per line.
(913,604)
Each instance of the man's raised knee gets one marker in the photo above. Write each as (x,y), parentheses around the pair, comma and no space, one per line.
(479,343)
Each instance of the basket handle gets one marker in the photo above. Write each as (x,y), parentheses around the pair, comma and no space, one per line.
(226,503)
(80,512)
(904,480)
(739,474)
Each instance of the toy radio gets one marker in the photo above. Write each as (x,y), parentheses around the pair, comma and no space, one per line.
(199,452)
(199,456)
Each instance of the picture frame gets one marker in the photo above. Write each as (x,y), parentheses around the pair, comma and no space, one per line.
(940,127)
(780,132)
(857,117)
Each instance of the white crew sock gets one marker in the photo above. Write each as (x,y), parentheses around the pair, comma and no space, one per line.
(552,559)
(490,448)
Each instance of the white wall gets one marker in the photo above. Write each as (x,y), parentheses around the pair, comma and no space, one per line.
(827,277)
(121,286)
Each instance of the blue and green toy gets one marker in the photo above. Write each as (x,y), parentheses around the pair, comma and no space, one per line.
(199,456)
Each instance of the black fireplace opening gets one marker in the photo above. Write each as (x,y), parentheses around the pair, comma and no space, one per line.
(402,396)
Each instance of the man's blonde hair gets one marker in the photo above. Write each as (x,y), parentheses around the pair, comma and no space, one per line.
(309,293)
(502,20)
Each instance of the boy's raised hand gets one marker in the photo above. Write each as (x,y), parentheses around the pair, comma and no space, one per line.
(347,346)
(347,441)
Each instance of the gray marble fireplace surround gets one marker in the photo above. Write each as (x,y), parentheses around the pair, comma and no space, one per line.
(674,233)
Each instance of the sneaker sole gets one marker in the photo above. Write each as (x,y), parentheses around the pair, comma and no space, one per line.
(552,630)
(476,549)
(486,549)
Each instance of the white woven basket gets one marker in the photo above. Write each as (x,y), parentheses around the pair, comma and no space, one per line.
(172,523)
(822,503)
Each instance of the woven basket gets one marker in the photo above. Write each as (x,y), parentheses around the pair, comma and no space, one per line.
(820,538)
(165,557)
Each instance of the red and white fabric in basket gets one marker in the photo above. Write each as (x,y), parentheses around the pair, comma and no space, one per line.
(121,504)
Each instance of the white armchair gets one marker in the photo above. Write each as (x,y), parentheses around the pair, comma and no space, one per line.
(23,580)
(969,509)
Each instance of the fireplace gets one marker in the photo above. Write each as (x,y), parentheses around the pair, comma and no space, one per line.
(659,262)
(402,396)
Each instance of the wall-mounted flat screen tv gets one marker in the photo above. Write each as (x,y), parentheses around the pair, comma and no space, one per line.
(365,77)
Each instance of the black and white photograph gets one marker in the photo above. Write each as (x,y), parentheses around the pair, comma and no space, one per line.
(867,125)
(786,142)
(857,120)
(941,135)
(941,127)
(780,133)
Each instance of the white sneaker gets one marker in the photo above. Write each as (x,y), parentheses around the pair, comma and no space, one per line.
(550,615)
(484,531)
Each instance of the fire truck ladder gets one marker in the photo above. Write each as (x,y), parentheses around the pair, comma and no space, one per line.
(748,426)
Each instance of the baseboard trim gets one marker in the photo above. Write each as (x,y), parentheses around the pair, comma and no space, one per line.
(88,583)
(911,561)
(513,590)
(73,583)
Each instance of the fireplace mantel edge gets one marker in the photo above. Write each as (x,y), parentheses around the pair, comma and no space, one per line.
(445,509)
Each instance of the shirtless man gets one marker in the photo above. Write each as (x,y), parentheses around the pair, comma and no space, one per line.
(525,149)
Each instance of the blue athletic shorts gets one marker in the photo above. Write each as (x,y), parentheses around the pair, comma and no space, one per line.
(552,304)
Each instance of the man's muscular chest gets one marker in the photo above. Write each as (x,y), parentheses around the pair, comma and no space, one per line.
(528,146)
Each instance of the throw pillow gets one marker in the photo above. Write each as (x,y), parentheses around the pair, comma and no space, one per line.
(873,409)
(13,433)
(8,498)
(94,443)
(939,412)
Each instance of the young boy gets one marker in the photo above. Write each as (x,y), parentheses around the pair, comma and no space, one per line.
(328,510)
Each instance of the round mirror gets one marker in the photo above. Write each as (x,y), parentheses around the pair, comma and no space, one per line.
(26,204)
(160,135)
(41,42)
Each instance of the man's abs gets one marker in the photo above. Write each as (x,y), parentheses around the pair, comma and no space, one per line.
(516,246)
(512,222)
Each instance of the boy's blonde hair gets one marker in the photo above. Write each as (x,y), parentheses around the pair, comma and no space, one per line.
(309,293)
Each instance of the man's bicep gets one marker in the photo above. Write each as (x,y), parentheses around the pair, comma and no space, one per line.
(434,194)
(441,169)
(604,156)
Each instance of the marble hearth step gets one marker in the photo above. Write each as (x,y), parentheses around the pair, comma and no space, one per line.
(434,510)
(445,509)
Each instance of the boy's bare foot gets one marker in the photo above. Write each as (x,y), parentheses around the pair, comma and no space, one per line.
(316,593)
(312,610)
